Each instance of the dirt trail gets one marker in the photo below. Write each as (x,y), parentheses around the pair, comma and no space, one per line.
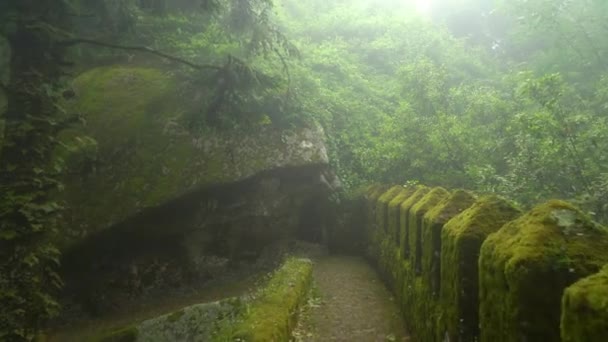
(349,303)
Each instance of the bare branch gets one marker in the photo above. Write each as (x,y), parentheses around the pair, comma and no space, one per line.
(142,49)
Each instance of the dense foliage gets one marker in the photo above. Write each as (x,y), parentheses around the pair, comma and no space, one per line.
(497,96)
(493,95)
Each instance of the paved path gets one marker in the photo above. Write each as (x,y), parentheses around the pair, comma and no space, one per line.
(349,303)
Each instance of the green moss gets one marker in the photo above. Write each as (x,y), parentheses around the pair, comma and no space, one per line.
(417,212)
(382,206)
(462,238)
(372,194)
(585,309)
(272,315)
(423,316)
(526,265)
(375,191)
(127,334)
(433,223)
(393,213)
(404,214)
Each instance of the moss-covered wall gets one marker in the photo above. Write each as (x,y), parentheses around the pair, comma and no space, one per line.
(468,269)
(585,309)
(462,237)
(417,212)
(434,221)
(525,267)
(269,315)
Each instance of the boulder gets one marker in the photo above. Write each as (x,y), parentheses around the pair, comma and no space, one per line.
(135,150)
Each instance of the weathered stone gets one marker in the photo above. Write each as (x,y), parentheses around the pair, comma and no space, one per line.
(585,309)
(526,265)
(144,156)
(404,219)
(434,221)
(462,238)
(417,212)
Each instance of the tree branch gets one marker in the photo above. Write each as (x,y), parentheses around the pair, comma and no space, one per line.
(285,66)
(142,49)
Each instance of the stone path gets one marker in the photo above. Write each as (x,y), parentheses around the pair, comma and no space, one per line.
(349,303)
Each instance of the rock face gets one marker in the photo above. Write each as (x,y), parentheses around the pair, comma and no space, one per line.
(142,155)
(154,205)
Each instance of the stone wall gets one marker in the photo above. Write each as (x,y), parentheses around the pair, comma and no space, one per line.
(268,315)
(468,268)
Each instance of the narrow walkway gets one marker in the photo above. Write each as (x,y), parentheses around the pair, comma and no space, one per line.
(349,303)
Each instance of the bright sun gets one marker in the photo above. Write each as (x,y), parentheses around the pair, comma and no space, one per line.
(423,6)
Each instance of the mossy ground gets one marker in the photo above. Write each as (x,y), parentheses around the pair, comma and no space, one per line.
(525,267)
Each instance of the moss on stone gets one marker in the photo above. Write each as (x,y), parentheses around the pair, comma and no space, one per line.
(526,265)
(433,223)
(145,154)
(382,206)
(585,309)
(462,238)
(393,213)
(374,191)
(372,195)
(272,315)
(417,212)
(404,214)
(423,316)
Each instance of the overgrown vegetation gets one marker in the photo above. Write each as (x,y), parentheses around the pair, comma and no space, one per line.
(39,36)
(498,96)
